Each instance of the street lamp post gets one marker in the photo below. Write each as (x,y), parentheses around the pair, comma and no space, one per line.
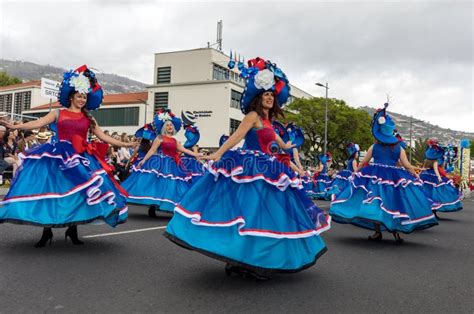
(325,116)
(411,134)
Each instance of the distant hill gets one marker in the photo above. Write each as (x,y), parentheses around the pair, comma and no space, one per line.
(27,71)
(423,129)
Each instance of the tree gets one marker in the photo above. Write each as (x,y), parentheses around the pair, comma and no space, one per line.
(345,124)
(6,79)
(418,151)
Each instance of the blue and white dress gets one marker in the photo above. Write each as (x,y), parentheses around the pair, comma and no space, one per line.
(64,183)
(385,194)
(445,196)
(322,184)
(194,167)
(161,180)
(341,179)
(250,210)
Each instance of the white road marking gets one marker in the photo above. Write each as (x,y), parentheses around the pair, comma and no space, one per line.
(122,232)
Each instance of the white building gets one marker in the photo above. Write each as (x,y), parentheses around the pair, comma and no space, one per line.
(118,112)
(195,80)
(17,98)
(199,81)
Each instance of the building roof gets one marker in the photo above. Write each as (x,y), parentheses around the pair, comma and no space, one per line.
(109,100)
(21,85)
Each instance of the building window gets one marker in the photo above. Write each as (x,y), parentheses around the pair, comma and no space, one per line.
(163,75)
(161,101)
(22,101)
(117,116)
(6,103)
(235,97)
(220,73)
(234,124)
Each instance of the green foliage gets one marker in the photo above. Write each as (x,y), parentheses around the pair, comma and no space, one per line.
(6,79)
(345,124)
(418,151)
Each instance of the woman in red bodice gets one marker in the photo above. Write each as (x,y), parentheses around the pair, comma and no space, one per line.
(67,182)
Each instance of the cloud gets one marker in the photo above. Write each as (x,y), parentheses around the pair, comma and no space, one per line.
(419,52)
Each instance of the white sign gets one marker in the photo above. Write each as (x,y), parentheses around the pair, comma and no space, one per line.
(50,88)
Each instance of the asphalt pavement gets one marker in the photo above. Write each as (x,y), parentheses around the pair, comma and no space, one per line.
(133,268)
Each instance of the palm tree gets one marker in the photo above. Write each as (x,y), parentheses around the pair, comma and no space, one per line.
(418,151)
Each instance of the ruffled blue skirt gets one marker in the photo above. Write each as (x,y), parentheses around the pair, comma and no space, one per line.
(321,187)
(57,187)
(445,196)
(160,181)
(307,185)
(387,195)
(250,210)
(194,167)
(340,182)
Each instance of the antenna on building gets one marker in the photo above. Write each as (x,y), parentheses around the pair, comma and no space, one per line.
(219,35)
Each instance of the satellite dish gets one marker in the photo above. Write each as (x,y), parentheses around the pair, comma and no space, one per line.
(188,117)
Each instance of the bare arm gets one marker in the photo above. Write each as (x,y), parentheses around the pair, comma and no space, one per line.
(153,149)
(108,139)
(36,124)
(282,144)
(249,122)
(354,164)
(181,149)
(406,163)
(435,168)
(366,159)
(296,157)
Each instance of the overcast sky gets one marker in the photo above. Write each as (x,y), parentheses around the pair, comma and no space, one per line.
(419,52)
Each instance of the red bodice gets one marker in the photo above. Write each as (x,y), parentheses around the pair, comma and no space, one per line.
(266,136)
(169,146)
(72,123)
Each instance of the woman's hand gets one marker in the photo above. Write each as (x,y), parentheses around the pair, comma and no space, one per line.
(130,144)
(7,123)
(439,179)
(140,164)
(288,145)
(216,157)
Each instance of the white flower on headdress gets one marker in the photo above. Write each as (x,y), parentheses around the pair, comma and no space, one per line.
(80,83)
(164,116)
(264,79)
(382,120)
(356,146)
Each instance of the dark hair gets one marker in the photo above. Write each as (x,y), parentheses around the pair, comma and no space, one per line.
(28,133)
(274,112)
(7,134)
(145,145)
(428,163)
(84,111)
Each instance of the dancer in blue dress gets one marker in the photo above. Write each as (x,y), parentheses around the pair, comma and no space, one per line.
(249,209)
(341,180)
(159,180)
(67,182)
(439,188)
(321,179)
(382,196)
(190,163)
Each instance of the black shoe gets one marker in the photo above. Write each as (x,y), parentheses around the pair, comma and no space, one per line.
(47,236)
(377,236)
(71,232)
(152,211)
(398,239)
(244,272)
